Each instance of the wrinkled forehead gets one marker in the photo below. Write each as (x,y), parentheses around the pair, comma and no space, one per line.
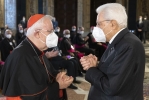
(48,24)
(100,17)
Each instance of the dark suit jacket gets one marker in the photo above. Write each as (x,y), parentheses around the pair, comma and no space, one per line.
(120,73)
(146,25)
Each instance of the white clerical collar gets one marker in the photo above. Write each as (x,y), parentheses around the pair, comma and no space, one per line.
(115,36)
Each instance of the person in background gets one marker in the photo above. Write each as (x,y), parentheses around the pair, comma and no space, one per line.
(120,73)
(27,74)
(23,22)
(91,40)
(62,63)
(23,35)
(68,50)
(55,23)
(73,33)
(139,28)
(7,45)
(145,28)
(57,31)
(80,42)
(98,47)
(19,34)
(1,35)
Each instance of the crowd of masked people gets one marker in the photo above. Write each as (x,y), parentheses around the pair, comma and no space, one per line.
(72,45)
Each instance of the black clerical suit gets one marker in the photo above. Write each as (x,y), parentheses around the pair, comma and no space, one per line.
(27,73)
(23,23)
(66,47)
(120,73)
(72,36)
(6,47)
(79,41)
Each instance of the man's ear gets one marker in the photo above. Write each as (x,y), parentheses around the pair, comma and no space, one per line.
(114,24)
(36,34)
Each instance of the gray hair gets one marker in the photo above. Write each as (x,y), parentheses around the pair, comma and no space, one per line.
(114,11)
(38,25)
(66,31)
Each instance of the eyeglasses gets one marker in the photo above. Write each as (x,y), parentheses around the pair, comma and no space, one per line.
(51,31)
(99,23)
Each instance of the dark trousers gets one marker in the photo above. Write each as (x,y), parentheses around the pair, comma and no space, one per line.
(144,36)
(78,65)
(140,35)
(60,63)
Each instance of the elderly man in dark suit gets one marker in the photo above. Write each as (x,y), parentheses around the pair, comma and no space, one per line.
(120,72)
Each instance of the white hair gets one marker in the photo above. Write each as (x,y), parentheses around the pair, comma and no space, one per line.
(38,25)
(114,11)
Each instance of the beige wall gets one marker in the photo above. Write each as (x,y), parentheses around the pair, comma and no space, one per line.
(2,13)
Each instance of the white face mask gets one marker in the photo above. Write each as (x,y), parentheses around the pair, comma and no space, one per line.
(8,36)
(21,31)
(81,32)
(57,30)
(51,40)
(73,29)
(99,34)
(67,36)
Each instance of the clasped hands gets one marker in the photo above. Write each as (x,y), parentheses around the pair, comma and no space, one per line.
(88,61)
(63,80)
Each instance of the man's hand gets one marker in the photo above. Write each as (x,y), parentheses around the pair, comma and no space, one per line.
(72,54)
(88,61)
(63,80)
(50,54)
(86,38)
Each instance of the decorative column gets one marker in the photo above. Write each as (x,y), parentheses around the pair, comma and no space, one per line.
(31,7)
(80,13)
(86,15)
(49,7)
(2,13)
(10,14)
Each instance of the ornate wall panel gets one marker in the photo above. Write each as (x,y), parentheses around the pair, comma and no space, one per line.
(2,13)
(31,7)
(10,14)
